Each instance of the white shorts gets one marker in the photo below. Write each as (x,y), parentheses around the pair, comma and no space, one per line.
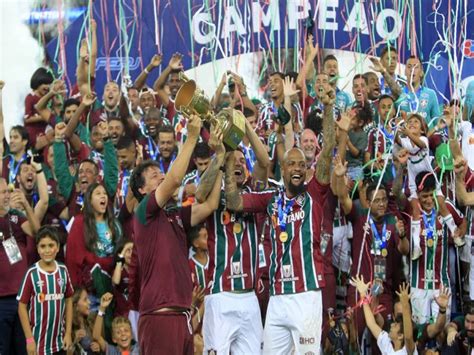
(293,322)
(133,318)
(232,323)
(341,247)
(424,306)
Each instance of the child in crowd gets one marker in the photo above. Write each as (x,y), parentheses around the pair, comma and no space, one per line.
(121,332)
(357,144)
(120,279)
(45,303)
(81,325)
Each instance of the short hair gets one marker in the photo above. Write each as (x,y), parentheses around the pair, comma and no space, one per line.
(328,58)
(125,142)
(292,75)
(359,76)
(166,129)
(425,181)
(21,130)
(40,77)
(90,161)
(47,231)
(385,96)
(202,150)
(314,121)
(118,321)
(374,187)
(70,102)
(277,73)
(193,233)
(175,71)
(137,181)
(469,309)
(248,112)
(153,111)
(388,49)
(368,74)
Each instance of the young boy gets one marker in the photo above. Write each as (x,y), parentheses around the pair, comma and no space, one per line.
(419,160)
(357,144)
(199,261)
(121,331)
(47,290)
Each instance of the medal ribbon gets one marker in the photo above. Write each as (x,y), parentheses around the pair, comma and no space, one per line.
(152,148)
(380,241)
(13,171)
(283,213)
(410,100)
(162,165)
(431,226)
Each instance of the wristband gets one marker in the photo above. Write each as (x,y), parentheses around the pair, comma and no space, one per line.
(120,259)
(146,70)
(30,340)
(442,311)
(222,168)
(100,313)
(39,171)
(403,236)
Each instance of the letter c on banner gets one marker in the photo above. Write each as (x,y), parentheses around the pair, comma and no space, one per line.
(198,35)
(381,24)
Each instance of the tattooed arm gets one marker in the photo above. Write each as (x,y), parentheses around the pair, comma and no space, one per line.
(234,201)
(329,138)
(391,82)
(210,175)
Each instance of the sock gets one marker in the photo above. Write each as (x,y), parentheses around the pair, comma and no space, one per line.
(449,221)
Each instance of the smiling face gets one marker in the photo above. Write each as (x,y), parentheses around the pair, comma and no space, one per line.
(426,200)
(240,168)
(174,84)
(147,101)
(127,254)
(99,200)
(47,249)
(152,123)
(321,85)
(414,125)
(331,67)
(122,335)
(386,109)
(111,95)
(359,89)
(378,203)
(116,130)
(69,112)
(294,171)
(152,177)
(308,145)
(166,144)
(276,87)
(87,174)
(27,177)
(17,144)
(373,87)
(126,157)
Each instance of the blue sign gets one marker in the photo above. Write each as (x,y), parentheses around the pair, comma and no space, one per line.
(130,32)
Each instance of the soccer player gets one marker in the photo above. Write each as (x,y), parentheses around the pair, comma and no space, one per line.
(160,239)
(45,299)
(294,316)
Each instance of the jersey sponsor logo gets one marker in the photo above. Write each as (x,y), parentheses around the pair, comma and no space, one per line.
(236,271)
(307,341)
(50,297)
(294,217)
(40,283)
(287,273)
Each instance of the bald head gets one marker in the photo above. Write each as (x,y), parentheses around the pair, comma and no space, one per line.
(309,145)
(294,171)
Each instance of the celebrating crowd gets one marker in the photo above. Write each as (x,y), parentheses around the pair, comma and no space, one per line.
(339,224)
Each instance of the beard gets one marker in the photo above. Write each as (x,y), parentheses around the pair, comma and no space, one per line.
(296,190)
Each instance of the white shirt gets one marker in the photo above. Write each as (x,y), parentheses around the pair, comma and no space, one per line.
(385,345)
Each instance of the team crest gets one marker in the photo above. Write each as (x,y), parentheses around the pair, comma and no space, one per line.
(423,103)
(60,282)
(236,269)
(300,199)
(14,218)
(287,271)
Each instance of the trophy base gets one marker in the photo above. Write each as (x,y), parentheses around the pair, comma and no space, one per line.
(233,127)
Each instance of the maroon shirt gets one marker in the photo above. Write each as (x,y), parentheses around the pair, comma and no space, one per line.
(12,274)
(34,129)
(162,250)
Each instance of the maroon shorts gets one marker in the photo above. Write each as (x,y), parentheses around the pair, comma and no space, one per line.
(164,333)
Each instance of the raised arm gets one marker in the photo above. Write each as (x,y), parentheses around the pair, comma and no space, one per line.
(307,71)
(339,185)
(363,288)
(200,211)
(289,89)
(174,176)
(465,198)
(329,137)
(404,296)
(391,82)
(31,226)
(241,93)
(56,88)
(105,301)
(61,167)
(158,86)
(217,95)
(42,205)
(154,63)
(433,329)
(111,168)
(210,175)
(260,172)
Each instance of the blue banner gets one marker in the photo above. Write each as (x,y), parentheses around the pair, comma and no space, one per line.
(130,32)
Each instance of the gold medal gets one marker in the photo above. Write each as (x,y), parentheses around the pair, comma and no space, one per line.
(283,237)
(430,243)
(11,187)
(384,252)
(237,228)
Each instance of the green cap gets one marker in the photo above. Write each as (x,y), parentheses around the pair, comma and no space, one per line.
(444,158)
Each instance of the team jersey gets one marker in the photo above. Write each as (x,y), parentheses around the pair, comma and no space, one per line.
(272,146)
(343,102)
(380,145)
(191,178)
(122,190)
(233,249)
(385,89)
(267,119)
(424,102)
(198,272)
(296,263)
(46,294)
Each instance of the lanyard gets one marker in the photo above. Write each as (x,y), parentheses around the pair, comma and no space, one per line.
(162,165)
(10,229)
(249,157)
(152,148)
(13,171)
(380,241)
(412,102)
(80,200)
(124,184)
(197,179)
(430,226)
(283,213)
